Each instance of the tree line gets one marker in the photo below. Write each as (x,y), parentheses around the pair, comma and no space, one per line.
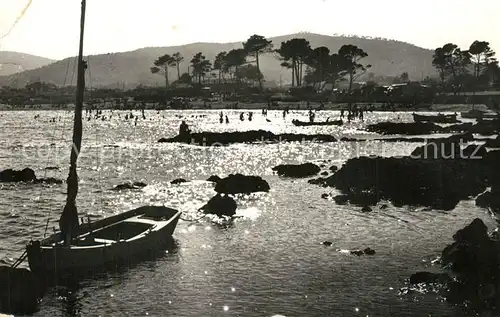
(316,67)
(466,70)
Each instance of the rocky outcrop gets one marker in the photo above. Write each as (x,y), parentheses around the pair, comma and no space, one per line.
(26,175)
(226,138)
(437,184)
(413,128)
(490,199)
(241,184)
(220,205)
(473,261)
(450,148)
(10,175)
(485,127)
(297,171)
(20,291)
(129,185)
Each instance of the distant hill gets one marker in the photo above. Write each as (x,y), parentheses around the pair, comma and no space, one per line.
(388,57)
(14,62)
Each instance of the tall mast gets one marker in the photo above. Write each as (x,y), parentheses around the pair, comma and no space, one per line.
(77,127)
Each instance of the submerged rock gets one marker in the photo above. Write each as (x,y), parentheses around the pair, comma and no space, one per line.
(241,184)
(130,185)
(225,138)
(220,205)
(297,171)
(20,291)
(178,181)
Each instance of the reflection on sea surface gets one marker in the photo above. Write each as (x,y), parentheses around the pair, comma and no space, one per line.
(268,262)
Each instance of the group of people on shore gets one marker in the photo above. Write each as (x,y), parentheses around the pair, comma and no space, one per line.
(353,112)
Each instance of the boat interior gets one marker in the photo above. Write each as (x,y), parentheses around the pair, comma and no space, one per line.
(124,227)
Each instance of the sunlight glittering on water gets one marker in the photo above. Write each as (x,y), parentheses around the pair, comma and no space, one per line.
(269,259)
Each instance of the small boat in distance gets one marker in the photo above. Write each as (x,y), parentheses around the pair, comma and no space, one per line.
(82,248)
(478,114)
(439,118)
(322,123)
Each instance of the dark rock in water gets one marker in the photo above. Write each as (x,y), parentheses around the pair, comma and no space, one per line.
(20,291)
(214,179)
(326,243)
(325,173)
(318,181)
(325,196)
(494,143)
(429,278)
(439,184)
(301,170)
(220,205)
(383,206)
(333,168)
(130,185)
(366,209)
(48,180)
(357,252)
(52,168)
(450,148)
(369,251)
(483,200)
(474,262)
(241,184)
(413,128)
(225,138)
(485,127)
(178,181)
(474,234)
(25,175)
(10,175)
(341,199)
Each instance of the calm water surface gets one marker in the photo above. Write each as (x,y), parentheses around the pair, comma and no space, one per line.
(269,262)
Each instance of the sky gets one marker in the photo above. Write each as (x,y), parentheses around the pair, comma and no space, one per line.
(50,28)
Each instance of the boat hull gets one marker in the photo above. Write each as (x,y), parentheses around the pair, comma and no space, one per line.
(435,119)
(94,251)
(324,123)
